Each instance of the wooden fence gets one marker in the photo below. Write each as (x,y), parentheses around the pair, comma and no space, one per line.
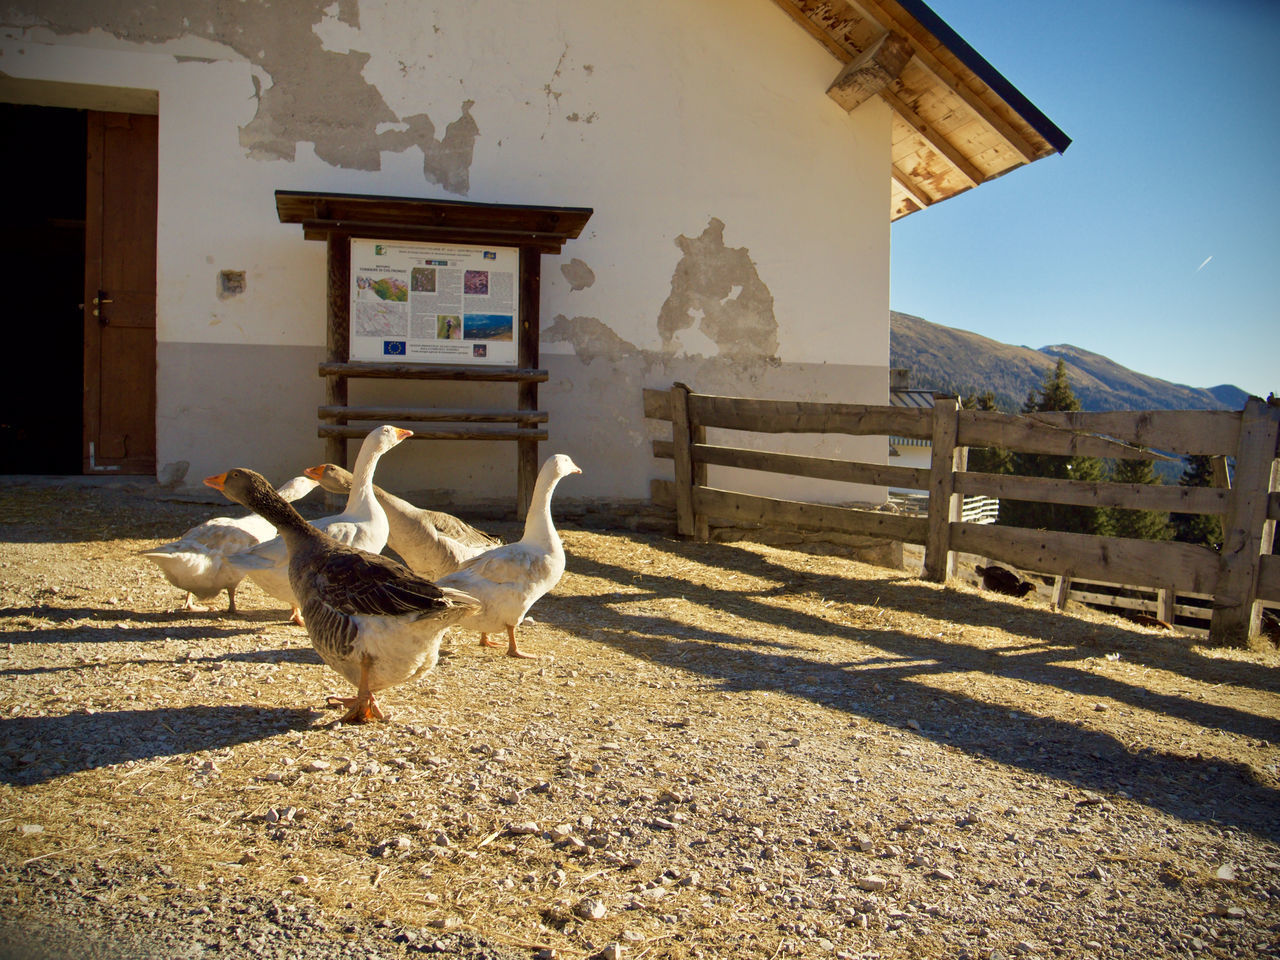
(1238,577)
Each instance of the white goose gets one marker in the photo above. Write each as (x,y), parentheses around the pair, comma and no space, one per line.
(507,580)
(431,542)
(370,618)
(363,525)
(197,561)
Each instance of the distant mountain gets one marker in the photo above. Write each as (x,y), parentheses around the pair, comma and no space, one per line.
(956,361)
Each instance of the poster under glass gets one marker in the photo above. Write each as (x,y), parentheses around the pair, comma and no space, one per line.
(434,302)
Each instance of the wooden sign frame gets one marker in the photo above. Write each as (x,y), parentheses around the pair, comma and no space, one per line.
(533,230)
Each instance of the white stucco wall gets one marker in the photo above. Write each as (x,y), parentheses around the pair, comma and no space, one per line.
(665,117)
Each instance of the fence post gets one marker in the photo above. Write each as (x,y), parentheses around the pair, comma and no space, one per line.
(1061,591)
(682,454)
(1166,603)
(944,503)
(1236,613)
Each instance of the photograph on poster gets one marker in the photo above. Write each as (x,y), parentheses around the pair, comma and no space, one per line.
(488,326)
(434,302)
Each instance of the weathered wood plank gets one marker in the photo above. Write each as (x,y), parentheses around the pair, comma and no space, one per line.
(1236,615)
(1111,559)
(802,416)
(1269,578)
(1130,496)
(817,468)
(1061,592)
(681,441)
(944,502)
(528,356)
(338,412)
(871,71)
(1204,432)
(698,438)
(1111,600)
(337,335)
(426,371)
(657,404)
(745,508)
(339,431)
(1184,610)
(986,428)
(931,136)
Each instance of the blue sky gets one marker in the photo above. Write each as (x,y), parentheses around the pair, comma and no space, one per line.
(1155,238)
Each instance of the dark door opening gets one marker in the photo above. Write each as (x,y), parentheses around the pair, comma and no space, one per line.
(42,167)
(120,294)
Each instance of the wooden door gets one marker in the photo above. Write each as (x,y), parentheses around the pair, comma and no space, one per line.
(120,295)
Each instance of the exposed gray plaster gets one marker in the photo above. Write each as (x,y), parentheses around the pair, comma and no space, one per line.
(718,289)
(315,95)
(231,283)
(590,338)
(579,275)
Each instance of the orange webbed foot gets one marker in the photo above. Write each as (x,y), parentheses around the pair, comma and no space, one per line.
(360,709)
(515,651)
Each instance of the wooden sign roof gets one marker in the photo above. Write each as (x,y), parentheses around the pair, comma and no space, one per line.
(406,218)
(956,121)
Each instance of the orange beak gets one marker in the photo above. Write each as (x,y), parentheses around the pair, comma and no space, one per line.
(216,481)
(315,473)
(403,434)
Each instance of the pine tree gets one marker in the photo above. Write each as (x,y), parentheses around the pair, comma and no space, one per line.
(1137,524)
(1055,394)
(986,459)
(1197,527)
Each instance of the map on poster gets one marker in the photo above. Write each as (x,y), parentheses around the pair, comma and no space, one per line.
(434,302)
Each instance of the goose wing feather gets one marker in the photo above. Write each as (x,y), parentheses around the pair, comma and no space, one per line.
(514,563)
(362,584)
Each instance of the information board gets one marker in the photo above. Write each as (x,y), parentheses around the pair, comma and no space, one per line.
(434,302)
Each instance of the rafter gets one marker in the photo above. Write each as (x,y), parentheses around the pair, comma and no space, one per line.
(932,138)
(909,185)
(875,12)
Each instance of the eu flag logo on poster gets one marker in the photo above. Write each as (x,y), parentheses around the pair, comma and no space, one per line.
(393,348)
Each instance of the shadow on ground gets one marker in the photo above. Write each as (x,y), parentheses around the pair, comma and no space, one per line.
(72,743)
(1192,789)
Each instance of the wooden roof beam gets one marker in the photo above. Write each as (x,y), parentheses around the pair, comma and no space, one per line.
(871,71)
(908,184)
(875,12)
(933,139)
(998,126)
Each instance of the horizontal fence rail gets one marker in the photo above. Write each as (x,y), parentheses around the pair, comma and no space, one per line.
(1236,580)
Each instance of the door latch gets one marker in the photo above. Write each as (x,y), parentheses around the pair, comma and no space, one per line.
(98,301)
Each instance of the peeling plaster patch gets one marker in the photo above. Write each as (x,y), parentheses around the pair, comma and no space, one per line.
(336,35)
(231,283)
(716,290)
(308,89)
(579,275)
(446,161)
(591,339)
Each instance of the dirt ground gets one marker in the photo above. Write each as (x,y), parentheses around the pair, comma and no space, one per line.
(721,751)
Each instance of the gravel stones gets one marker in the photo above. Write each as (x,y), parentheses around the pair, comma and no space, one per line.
(713,757)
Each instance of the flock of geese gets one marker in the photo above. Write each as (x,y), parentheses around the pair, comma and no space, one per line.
(374,620)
